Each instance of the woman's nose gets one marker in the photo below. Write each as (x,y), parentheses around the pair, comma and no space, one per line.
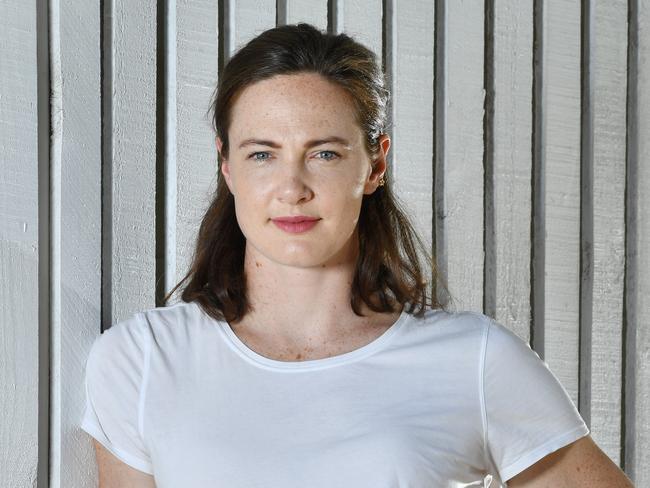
(292,184)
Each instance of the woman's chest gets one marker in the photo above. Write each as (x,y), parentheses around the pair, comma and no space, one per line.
(298,451)
(344,429)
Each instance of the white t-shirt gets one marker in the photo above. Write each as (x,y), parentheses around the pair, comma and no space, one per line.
(447,400)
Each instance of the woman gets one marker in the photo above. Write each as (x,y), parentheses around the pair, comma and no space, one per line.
(306,350)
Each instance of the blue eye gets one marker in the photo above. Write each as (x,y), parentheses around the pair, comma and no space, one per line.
(331,153)
(255,155)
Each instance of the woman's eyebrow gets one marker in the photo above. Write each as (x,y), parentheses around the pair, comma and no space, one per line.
(312,143)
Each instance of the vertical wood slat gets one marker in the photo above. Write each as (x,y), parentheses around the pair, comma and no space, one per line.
(133,157)
(193,154)
(314,13)
(461,221)
(44,240)
(362,19)
(412,52)
(561,190)
(250,18)
(19,245)
(439,150)
(76,243)
(606,251)
(512,50)
(638,280)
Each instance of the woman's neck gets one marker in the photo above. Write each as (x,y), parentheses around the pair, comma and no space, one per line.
(295,303)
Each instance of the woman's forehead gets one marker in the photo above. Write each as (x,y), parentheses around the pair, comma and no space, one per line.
(287,102)
(313,84)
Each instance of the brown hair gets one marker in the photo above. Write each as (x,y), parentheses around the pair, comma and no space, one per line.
(388,267)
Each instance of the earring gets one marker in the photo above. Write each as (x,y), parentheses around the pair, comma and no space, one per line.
(381,181)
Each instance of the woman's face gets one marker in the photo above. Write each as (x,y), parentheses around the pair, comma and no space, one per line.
(296,149)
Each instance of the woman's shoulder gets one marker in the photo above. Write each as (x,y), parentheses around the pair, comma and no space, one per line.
(446,320)
(124,338)
(441,331)
(173,316)
(132,335)
(464,328)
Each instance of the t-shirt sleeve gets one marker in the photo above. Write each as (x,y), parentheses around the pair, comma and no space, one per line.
(527,413)
(116,374)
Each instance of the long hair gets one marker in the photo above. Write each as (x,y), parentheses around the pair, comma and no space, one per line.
(388,270)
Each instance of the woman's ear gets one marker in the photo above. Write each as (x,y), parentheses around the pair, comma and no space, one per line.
(378,165)
(225,167)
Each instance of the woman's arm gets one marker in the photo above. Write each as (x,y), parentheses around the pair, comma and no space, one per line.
(581,464)
(113,473)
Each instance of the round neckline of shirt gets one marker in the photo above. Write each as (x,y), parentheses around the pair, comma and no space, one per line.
(314,364)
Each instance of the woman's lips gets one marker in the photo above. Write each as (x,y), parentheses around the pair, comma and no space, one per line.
(295,227)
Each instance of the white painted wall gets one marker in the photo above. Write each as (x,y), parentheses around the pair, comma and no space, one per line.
(518,146)
(20,253)
(602,380)
(76,214)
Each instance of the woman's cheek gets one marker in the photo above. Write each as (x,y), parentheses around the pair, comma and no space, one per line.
(357,190)
(247,210)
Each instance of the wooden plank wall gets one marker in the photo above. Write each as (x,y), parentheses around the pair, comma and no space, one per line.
(508,164)
(21,250)
(637,276)
(556,314)
(190,159)
(76,218)
(603,223)
(411,67)
(460,173)
(132,159)
(518,146)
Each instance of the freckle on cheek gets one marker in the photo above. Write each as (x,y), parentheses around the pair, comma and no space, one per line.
(258,264)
